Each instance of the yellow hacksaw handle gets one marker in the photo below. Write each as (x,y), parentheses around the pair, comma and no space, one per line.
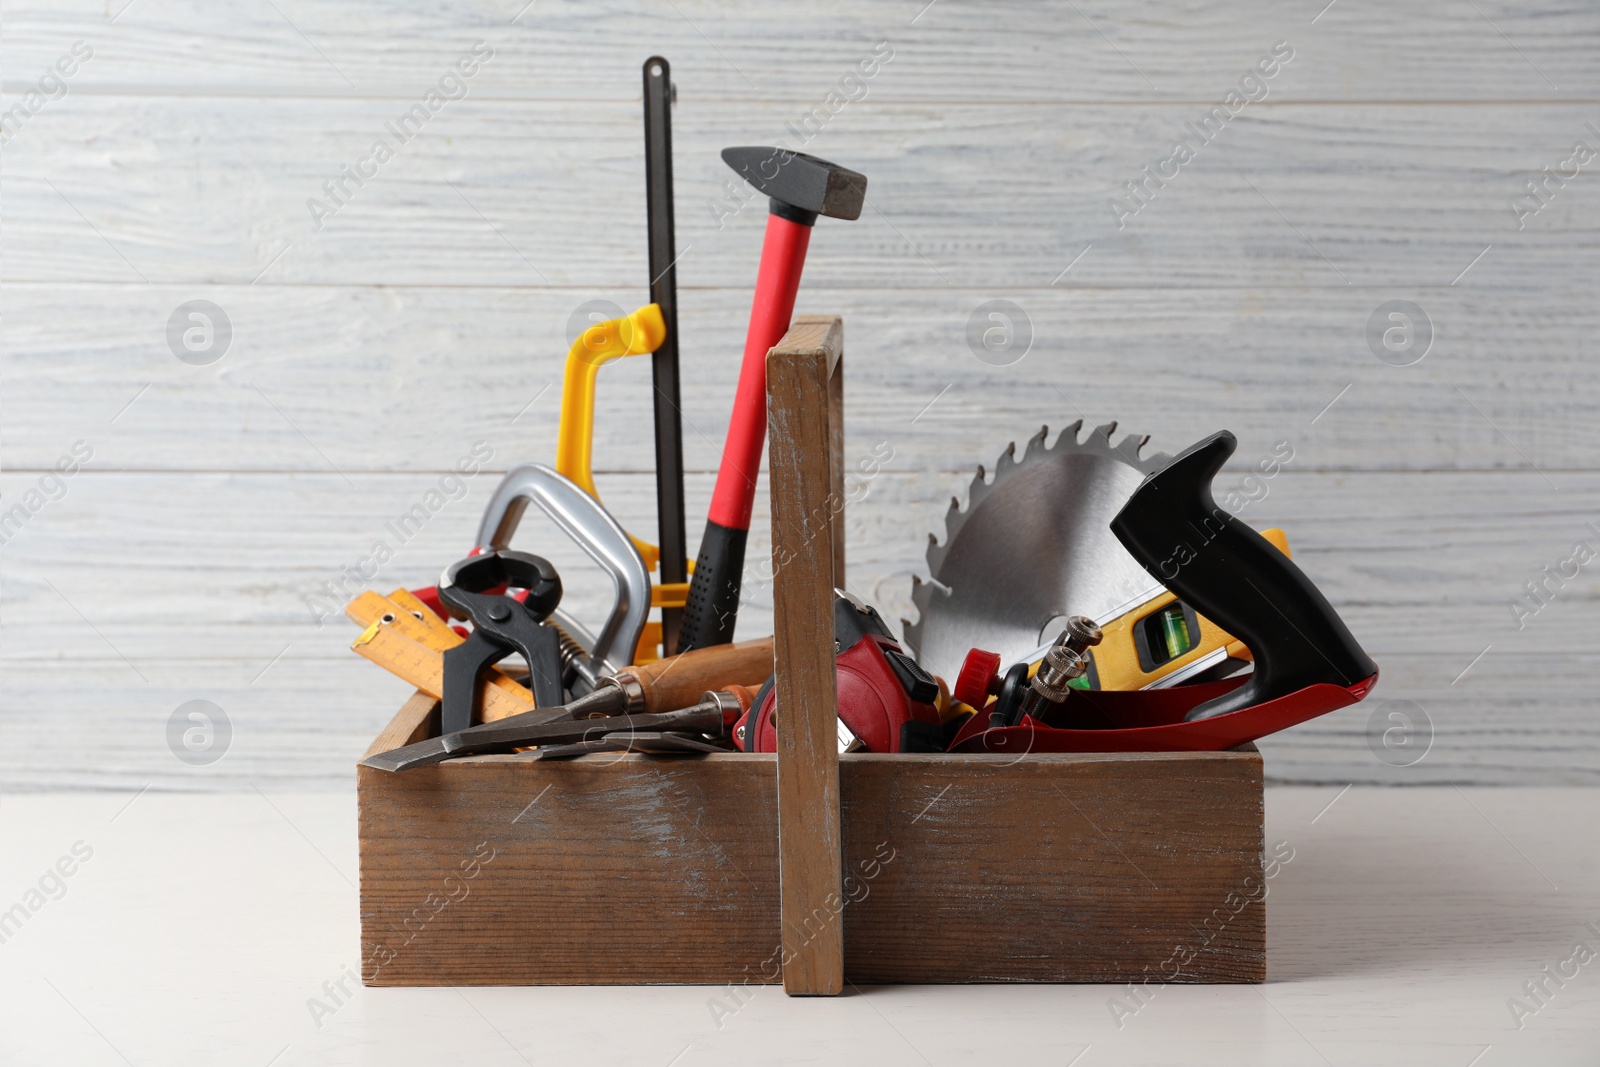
(638,334)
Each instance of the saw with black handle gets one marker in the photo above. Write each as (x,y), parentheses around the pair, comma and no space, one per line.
(1307,662)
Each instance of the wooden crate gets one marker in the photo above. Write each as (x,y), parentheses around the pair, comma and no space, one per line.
(808,867)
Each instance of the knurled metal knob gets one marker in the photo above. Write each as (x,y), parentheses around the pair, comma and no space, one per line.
(1066,659)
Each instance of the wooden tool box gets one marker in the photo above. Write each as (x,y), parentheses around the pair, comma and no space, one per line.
(808,867)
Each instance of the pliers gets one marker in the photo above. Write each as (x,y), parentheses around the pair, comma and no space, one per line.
(478,588)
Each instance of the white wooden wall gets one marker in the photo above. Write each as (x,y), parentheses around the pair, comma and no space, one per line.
(427,314)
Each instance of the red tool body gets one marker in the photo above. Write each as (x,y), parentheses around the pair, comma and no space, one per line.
(1152,720)
(885,698)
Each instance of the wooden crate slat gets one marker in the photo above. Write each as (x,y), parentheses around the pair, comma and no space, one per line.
(1057,868)
(498,870)
(806,511)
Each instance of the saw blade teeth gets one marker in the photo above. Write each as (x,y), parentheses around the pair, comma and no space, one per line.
(1036,443)
(936,551)
(1003,467)
(1068,437)
(932,596)
(921,595)
(1131,445)
(954,519)
(1154,462)
(977,489)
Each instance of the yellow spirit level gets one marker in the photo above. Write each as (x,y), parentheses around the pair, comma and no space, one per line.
(1163,642)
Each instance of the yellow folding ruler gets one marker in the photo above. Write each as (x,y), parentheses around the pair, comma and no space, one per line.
(401,635)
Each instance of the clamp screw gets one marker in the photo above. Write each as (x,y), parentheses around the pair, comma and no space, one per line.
(1066,660)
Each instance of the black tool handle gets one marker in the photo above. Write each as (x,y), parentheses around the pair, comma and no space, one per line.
(462,666)
(664,364)
(712,608)
(1239,580)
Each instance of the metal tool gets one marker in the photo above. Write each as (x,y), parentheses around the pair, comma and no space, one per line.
(1064,663)
(713,715)
(659,93)
(501,625)
(651,742)
(665,685)
(886,701)
(1307,661)
(1019,692)
(1032,547)
(1174,528)
(582,518)
(801,187)
(1162,642)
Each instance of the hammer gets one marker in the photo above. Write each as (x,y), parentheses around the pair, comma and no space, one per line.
(801,187)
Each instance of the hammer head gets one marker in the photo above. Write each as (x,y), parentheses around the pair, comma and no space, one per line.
(801,182)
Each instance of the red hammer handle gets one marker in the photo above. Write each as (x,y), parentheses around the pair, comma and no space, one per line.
(783,257)
(800,188)
(712,607)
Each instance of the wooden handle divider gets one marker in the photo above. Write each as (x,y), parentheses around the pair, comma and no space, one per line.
(805,394)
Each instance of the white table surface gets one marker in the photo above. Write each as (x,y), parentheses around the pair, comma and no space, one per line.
(201,926)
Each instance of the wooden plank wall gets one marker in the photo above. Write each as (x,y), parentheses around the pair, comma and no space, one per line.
(430,312)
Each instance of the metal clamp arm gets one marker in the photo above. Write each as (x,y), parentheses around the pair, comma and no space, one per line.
(583,519)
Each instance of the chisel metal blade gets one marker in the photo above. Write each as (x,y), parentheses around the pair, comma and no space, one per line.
(508,734)
(464,742)
(646,742)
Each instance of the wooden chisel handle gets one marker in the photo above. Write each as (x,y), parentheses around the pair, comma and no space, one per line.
(678,681)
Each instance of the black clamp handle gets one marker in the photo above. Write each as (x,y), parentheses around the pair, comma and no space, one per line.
(501,625)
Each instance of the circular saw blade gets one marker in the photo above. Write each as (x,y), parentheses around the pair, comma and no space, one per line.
(1034,544)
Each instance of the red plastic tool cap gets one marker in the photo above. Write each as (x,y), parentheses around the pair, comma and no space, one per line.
(978,671)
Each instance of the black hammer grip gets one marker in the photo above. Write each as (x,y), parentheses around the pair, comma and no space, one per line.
(712,608)
(1236,578)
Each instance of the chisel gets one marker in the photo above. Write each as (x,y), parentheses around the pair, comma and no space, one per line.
(713,714)
(667,685)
